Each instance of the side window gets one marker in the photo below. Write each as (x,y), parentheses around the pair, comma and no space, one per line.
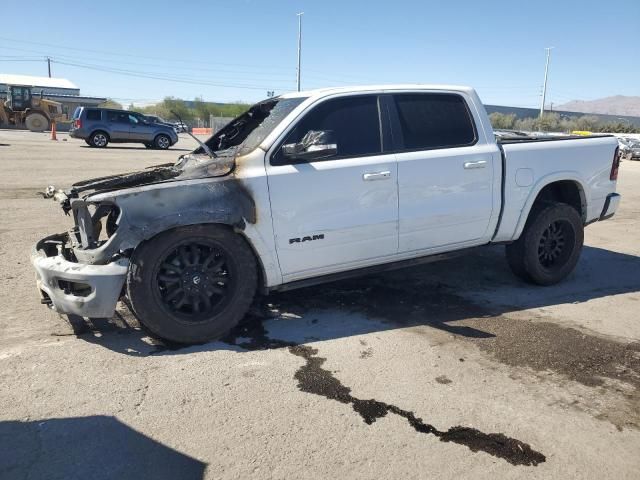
(133,119)
(93,114)
(434,120)
(118,117)
(355,123)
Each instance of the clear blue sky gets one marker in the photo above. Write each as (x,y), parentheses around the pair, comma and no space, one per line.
(213,48)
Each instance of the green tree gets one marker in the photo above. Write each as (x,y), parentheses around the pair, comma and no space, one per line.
(502,120)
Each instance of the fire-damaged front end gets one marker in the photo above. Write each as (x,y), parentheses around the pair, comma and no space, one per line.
(83,271)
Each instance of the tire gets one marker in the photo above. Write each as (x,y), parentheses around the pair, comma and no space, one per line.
(550,245)
(169,281)
(36,122)
(162,142)
(99,139)
(87,142)
(148,145)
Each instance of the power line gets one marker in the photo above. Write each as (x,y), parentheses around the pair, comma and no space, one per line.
(133,73)
(120,54)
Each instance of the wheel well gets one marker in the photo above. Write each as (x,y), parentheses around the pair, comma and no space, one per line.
(262,276)
(565,191)
(102,131)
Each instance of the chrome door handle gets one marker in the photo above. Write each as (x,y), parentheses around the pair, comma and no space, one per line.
(476,164)
(367,177)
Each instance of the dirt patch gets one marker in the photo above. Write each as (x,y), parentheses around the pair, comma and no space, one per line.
(366,353)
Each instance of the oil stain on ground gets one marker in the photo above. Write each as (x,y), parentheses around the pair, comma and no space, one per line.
(314,379)
(412,298)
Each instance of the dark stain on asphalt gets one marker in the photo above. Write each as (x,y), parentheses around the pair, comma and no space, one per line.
(314,379)
(542,346)
(443,380)
(412,298)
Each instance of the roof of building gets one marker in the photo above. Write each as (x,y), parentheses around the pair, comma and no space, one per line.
(11,79)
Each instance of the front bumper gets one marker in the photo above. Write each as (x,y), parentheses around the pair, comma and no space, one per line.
(610,206)
(76,288)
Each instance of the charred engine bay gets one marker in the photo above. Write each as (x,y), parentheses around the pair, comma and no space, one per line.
(314,379)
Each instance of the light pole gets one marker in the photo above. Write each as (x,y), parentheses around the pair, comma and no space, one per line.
(544,86)
(299,46)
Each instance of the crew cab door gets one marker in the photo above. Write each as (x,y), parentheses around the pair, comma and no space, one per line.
(445,172)
(333,213)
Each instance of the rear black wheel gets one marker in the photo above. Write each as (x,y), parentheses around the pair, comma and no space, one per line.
(148,145)
(192,284)
(550,245)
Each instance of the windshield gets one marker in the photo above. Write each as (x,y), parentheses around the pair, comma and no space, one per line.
(249,129)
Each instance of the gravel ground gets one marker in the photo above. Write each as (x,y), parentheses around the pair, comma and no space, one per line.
(449,370)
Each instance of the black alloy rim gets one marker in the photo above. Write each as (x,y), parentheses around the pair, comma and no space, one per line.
(555,243)
(194,281)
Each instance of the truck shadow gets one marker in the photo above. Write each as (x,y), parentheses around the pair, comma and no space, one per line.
(438,295)
(96,447)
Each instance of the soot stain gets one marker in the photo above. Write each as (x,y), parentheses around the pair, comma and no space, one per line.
(314,379)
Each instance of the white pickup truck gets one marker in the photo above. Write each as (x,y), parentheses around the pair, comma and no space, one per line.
(314,186)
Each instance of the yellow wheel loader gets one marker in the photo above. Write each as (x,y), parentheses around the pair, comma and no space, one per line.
(23,109)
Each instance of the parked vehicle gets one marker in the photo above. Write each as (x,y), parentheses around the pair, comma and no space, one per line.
(625,148)
(100,126)
(634,145)
(179,126)
(315,186)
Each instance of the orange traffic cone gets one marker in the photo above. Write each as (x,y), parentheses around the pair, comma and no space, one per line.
(53,130)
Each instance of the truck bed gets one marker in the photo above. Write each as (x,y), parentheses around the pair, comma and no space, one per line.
(531,162)
(505,140)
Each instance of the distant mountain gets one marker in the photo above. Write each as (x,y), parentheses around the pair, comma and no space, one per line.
(617,105)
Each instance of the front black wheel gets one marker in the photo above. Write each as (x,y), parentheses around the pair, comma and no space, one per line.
(192,284)
(550,245)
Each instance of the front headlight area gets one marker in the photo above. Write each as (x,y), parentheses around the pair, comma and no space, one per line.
(96,223)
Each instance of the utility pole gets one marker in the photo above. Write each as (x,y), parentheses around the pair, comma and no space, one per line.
(299,46)
(544,86)
(49,66)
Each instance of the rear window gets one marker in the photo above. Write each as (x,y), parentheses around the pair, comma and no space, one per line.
(434,120)
(77,112)
(93,114)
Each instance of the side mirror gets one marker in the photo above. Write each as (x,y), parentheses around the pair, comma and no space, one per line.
(315,145)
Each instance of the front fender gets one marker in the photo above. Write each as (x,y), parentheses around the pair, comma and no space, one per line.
(149,210)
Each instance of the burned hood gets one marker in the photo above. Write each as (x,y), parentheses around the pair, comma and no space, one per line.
(191,166)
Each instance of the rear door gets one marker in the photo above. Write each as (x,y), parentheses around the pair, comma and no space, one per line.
(445,172)
(119,125)
(339,212)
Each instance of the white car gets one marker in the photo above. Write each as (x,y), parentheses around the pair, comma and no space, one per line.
(315,186)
